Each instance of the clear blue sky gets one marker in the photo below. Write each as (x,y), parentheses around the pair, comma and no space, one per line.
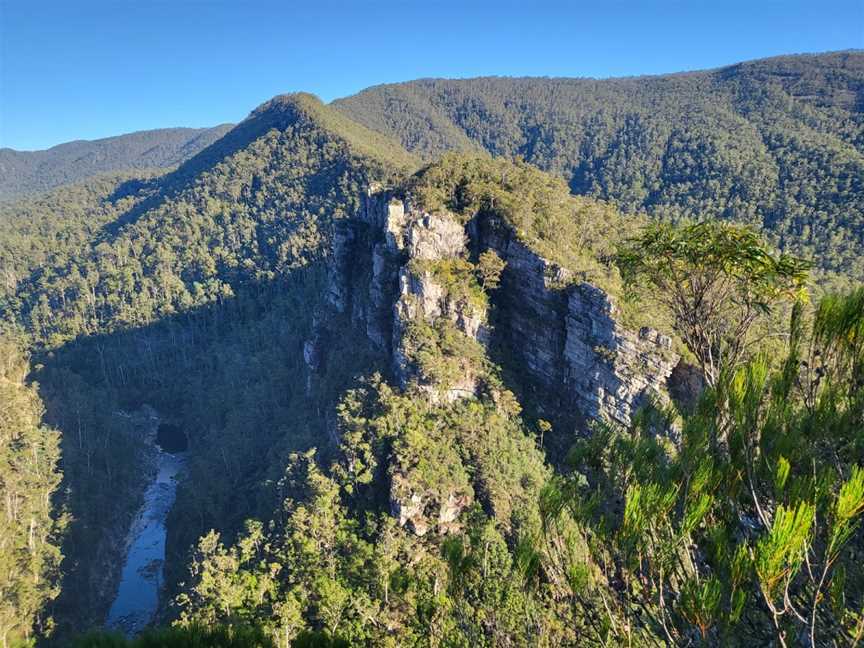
(73,69)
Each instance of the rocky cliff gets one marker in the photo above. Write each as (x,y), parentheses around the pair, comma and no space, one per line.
(566,335)
(400,275)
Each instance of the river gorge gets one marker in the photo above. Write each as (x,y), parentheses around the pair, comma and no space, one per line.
(141,579)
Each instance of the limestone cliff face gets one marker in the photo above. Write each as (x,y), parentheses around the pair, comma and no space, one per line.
(431,238)
(422,511)
(565,336)
(611,371)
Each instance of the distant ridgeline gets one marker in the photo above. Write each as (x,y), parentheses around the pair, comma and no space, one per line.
(380,343)
(776,143)
(27,172)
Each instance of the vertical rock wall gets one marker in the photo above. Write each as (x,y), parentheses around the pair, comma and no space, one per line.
(568,337)
(565,336)
(385,277)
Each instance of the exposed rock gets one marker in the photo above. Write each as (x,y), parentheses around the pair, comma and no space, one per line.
(394,225)
(536,307)
(686,384)
(311,359)
(382,290)
(310,355)
(422,512)
(431,237)
(612,371)
(344,236)
(567,337)
(409,511)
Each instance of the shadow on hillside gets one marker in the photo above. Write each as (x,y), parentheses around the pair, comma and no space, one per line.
(276,114)
(230,375)
(537,400)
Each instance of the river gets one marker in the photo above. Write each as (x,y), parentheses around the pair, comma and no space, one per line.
(141,579)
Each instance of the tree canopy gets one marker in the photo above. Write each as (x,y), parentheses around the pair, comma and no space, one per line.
(717,280)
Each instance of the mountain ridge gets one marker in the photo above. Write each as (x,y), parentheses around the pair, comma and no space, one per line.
(24,173)
(775,143)
(380,372)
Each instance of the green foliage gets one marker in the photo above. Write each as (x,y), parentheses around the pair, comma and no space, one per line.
(489,269)
(459,563)
(177,637)
(428,516)
(254,206)
(309,639)
(444,355)
(574,232)
(717,280)
(774,143)
(848,508)
(192,293)
(780,553)
(701,603)
(755,545)
(459,277)
(30,529)
(362,140)
(577,235)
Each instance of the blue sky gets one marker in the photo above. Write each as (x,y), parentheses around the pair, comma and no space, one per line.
(82,69)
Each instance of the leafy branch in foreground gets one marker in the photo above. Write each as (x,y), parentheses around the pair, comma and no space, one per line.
(717,280)
(756,545)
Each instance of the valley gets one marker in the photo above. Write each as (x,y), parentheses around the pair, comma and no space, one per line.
(486,362)
(142,578)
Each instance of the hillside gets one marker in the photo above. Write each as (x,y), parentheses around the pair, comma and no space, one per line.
(433,397)
(226,252)
(247,298)
(775,143)
(27,172)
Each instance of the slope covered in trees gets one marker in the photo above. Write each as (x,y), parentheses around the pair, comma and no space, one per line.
(403,487)
(775,143)
(27,172)
(30,527)
(705,526)
(191,293)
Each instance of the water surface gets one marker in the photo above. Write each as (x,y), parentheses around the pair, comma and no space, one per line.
(138,595)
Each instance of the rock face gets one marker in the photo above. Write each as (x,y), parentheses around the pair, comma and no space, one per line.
(431,238)
(565,336)
(421,512)
(610,371)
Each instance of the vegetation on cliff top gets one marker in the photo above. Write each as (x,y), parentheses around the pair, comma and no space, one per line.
(577,233)
(348,508)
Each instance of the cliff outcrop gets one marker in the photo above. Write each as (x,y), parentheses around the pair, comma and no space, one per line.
(401,275)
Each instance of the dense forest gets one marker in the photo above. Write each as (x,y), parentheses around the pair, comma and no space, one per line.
(29,529)
(775,143)
(355,328)
(123,275)
(28,172)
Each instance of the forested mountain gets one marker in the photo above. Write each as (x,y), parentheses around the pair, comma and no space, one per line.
(28,172)
(226,252)
(30,530)
(775,143)
(440,400)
